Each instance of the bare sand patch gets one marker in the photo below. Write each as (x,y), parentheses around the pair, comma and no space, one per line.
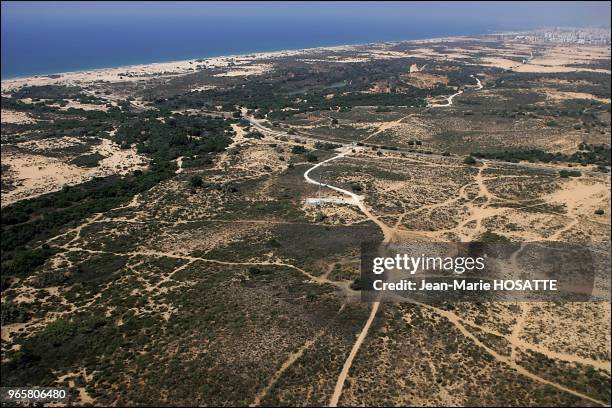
(561,59)
(117,160)
(556,96)
(556,59)
(536,68)
(14,117)
(53,143)
(35,174)
(424,80)
(499,62)
(85,106)
(8,330)
(255,69)
(70,104)
(582,196)
(203,88)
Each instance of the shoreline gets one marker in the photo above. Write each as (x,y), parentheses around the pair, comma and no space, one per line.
(240,64)
(8,83)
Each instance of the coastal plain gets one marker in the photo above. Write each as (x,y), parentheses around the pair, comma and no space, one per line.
(188,233)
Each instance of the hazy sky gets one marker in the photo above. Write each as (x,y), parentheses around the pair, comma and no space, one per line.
(511,14)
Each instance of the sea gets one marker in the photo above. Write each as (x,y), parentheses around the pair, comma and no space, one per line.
(42,45)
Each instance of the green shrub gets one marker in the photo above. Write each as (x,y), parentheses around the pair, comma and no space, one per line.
(87,160)
(196,181)
(326,146)
(311,157)
(13,313)
(27,260)
(254,135)
(298,150)
(469,160)
(570,173)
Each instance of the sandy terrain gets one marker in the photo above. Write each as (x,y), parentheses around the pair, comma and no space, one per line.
(84,106)
(55,143)
(37,174)
(203,88)
(70,103)
(424,80)
(255,69)
(9,116)
(235,65)
(556,59)
(557,96)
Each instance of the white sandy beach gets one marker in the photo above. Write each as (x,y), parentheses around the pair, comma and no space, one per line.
(234,65)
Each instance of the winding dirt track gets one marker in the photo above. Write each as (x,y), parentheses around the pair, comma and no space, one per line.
(449,99)
(290,360)
(388,233)
(388,236)
(354,198)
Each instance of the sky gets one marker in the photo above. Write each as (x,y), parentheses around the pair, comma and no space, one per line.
(511,14)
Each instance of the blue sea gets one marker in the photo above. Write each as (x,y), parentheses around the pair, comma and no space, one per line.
(44,44)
